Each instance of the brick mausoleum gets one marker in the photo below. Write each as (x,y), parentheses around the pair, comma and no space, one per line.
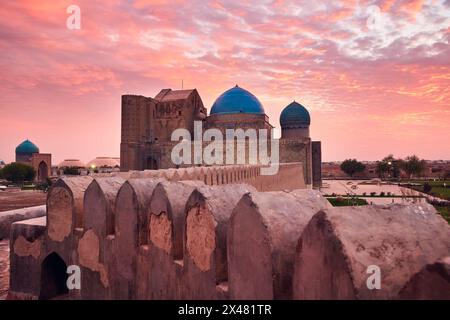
(147,125)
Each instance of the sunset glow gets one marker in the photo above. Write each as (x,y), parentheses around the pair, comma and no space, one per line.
(375,75)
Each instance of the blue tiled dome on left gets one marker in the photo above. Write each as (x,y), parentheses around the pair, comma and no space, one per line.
(27,147)
(237,100)
(295,115)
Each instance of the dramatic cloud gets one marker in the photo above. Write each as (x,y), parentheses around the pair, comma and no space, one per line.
(375,75)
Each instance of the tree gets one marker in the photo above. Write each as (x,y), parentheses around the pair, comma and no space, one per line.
(19,172)
(389,167)
(413,166)
(1,174)
(383,169)
(352,166)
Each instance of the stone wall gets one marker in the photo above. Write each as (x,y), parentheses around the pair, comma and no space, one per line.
(7,218)
(298,150)
(316,147)
(224,233)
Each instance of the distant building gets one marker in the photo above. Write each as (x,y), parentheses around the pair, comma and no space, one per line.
(27,152)
(2,164)
(71,163)
(437,169)
(104,164)
(99,164)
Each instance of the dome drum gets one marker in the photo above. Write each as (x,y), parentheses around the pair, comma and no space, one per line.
(295,121)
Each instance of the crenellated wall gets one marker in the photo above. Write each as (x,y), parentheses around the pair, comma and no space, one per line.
(223,233)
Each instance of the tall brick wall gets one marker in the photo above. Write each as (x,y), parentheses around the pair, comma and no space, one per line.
(316,147)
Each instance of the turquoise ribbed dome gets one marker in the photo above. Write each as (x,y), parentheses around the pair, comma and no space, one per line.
(237,100)
(295,115)
(27,147)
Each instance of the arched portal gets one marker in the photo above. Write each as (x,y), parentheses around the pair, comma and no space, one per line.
(151,164)
(42,171)
(53,277)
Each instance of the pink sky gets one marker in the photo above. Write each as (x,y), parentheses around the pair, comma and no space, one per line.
(374,83)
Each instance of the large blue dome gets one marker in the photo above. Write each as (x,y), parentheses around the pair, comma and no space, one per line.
(295,115)
(237,100)
(27,147)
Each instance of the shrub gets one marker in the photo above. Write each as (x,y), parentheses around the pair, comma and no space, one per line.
(427,187)
(71,171)
(44,186)
(382,194)
(373,194)
(352,166)
(18,172)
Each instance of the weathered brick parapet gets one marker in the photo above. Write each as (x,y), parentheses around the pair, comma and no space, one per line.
(289,175)
(7,218)
(217,233)
(340,247)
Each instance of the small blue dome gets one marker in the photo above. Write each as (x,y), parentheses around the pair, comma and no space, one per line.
(237,100)
(295,115)
(27,147)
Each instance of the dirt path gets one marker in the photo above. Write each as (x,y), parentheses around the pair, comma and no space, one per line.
(10,200)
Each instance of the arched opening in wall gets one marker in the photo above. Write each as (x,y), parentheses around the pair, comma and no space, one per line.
(53,278)
(151,164)
(42,171)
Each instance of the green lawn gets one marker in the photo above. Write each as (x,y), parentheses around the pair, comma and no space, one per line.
(437,188)
(432,182)
(445,212)
(441,192)
(345,202)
